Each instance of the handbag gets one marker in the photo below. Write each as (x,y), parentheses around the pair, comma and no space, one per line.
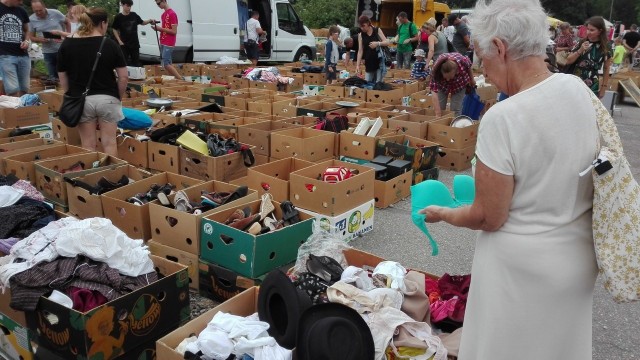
(561,57)
(616,213)
(73,106)
(333,122)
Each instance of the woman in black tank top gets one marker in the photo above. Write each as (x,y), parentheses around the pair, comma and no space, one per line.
(370,38)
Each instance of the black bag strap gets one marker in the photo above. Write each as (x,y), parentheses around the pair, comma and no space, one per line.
(95,65)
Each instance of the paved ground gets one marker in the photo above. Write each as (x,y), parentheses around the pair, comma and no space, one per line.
(616,328)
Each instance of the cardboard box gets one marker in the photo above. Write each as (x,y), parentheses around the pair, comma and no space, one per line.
(455,159)
(421,153)
(193,92)
(429,174)
(415,125)
(237,83)
(307,192)
(147,314)
(243,304)
(261,106)
(317,109)
(229,128)
(23,165)
(315,78)
(133,151)
(65,134)
(259,134)
(181,230)
(349,224)
(389,97)
(307,144)
(53,99)
(49,178)
(16,340)
(454,138)
(276,176)
(334,90)
(163,157)
(134,219)
(391,191)
(181,257)
(205,167)
(5,137)
(15,315)
(220,284)
(24,116)
(20,147)
(361,146)
(286,108)
(250,255)
(83,204)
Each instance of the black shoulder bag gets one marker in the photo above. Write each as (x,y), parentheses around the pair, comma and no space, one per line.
(73,106)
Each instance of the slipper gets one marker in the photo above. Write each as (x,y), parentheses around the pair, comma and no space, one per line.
(164,200)
(181,202)
(266,206)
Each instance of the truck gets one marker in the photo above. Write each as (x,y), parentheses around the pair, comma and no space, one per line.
(211,29)
(383,13)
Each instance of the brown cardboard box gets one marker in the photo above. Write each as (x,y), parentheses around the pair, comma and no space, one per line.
(49,176)
(24,116)
(20,147)
(8,140)
(134,219)
(286,107)
(259,134)
(440,132)
(319,109)
(455,159)
(53,99)
(22,165)
(63,133)
(133,151)
(361,146)
(163,157)
(337,91)
(420,153)
(487,92)
(188,91)
(181,230)
(308,144)
(237,83)
(315,78)
(307,192)
(391,191)
(411,124)
(355,94)
(221,284)
(15,315)
(83,204)
(389,97)
(261,106)
(204,167)
(276,176)
(422,99)
(181,257)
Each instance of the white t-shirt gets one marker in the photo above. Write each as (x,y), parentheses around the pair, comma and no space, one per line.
(543,137)
(449,32)
(252,26)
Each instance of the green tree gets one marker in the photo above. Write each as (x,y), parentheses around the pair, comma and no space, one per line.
(323,13)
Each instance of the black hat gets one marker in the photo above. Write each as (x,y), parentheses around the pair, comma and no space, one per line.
(334,331)
(281,304)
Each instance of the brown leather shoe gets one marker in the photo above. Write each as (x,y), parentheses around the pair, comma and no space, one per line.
(235,216)
(243,224)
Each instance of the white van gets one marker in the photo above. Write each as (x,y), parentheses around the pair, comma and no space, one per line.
(210,29)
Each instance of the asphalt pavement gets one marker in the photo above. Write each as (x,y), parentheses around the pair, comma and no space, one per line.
(616,327)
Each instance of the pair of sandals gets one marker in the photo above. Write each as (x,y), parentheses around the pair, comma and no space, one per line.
(159,192)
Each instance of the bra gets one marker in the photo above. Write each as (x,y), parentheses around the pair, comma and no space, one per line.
(434,192)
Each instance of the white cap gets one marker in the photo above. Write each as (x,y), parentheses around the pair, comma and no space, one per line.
(420,52)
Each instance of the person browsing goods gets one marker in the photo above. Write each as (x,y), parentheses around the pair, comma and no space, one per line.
(168,30)
(254,31)
(535,223)
(15,65)
(125,30)
(45,26)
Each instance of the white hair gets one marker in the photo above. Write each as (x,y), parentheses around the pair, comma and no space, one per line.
(520,24)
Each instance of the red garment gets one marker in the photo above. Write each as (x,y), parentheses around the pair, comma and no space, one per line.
(85,300)
(169,18)
(460,81)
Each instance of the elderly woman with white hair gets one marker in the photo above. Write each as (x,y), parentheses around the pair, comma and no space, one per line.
(534,267)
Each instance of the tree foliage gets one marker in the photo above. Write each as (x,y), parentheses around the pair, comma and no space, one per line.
(323,13)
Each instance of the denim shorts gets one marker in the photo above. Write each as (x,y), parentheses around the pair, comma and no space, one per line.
(167,53)
(15,71)
(103,108)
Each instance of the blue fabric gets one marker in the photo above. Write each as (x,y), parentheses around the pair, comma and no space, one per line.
(29,100)
(472,105)
(134,120)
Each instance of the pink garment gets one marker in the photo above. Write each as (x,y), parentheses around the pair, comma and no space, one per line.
(85,300)
(442,309)
(29,190)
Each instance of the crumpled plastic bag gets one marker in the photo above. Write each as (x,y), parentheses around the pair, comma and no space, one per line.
(322,242)
(394,272)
